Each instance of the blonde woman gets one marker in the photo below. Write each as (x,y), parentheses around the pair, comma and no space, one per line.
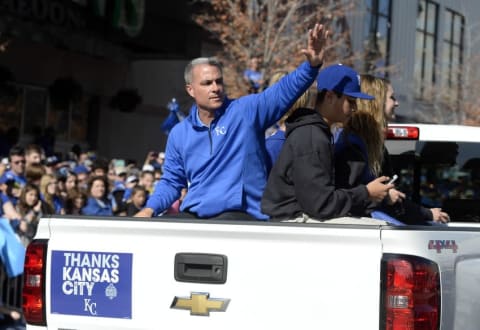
(359,150)
(50,194)
(371,121)
(361,155)
(382,107)
(274,142)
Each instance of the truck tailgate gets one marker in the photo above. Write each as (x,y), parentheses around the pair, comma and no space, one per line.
(276,275)
(456,250)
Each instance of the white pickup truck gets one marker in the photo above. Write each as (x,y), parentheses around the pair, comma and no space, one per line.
(131,273)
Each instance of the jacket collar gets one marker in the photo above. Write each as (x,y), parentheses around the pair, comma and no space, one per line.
(304,117)
(195,119)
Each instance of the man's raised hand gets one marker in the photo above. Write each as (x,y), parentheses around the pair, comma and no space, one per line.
(318,42)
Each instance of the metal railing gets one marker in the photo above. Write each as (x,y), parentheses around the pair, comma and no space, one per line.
(10,293)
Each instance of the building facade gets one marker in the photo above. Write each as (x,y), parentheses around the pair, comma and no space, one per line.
(79,65)
(97,73)
(428,49)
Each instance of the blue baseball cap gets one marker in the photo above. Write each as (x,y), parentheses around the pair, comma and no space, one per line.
(342,79)
(81,169)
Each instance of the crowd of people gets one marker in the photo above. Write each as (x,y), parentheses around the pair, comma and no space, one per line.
(33,185)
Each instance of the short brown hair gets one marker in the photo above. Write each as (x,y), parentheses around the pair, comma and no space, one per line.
(34,172)
(98,178)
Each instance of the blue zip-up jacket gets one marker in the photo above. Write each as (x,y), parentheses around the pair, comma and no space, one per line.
(94,207)
(223,165)
(274,144)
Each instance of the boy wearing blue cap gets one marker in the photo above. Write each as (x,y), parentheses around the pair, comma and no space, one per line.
(301,184)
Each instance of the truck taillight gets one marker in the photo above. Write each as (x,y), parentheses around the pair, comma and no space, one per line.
(402,133)
(410,295)
(34,283)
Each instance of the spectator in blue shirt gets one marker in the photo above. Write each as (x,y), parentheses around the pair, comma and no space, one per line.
(252,76)
(82,173)
(7,210)
(16,174)
(97,201)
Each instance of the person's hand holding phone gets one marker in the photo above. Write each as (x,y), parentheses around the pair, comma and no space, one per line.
(378,189)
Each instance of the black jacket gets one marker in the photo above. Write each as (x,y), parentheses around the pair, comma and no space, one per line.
(303,178)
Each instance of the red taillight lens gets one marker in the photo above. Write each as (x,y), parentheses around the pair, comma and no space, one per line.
(410,293)
(34,283)
(403,133)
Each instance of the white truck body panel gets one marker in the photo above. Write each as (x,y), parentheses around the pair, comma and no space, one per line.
(302,276)
(278,276)
(459,271)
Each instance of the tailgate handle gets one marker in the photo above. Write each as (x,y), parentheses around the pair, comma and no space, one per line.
(201,268)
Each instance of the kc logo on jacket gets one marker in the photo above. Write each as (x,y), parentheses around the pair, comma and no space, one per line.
(92,283)
(220,130)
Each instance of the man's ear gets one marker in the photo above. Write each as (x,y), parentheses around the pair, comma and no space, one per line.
(328,97)
(331,96)
(189,90)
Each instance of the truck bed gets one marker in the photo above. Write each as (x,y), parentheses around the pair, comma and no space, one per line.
(238,275)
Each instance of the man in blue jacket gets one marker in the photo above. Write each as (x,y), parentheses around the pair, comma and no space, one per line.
(218,151)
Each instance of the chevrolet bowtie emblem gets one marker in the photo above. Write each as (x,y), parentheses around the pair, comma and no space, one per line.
(200,303)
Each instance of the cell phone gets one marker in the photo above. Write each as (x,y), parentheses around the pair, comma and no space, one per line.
(393,179)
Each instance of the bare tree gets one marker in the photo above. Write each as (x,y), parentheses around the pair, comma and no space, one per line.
(273,30)
(470,103)
(454,99)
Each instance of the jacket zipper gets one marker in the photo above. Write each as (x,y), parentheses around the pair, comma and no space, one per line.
(210,138)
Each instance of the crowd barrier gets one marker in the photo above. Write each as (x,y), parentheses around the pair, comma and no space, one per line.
(11,293)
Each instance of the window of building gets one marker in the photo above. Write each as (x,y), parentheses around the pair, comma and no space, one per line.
(34,109)
(377,35)
(69,125)
(10,115)
(10,118)
(425,49)
(452,55)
